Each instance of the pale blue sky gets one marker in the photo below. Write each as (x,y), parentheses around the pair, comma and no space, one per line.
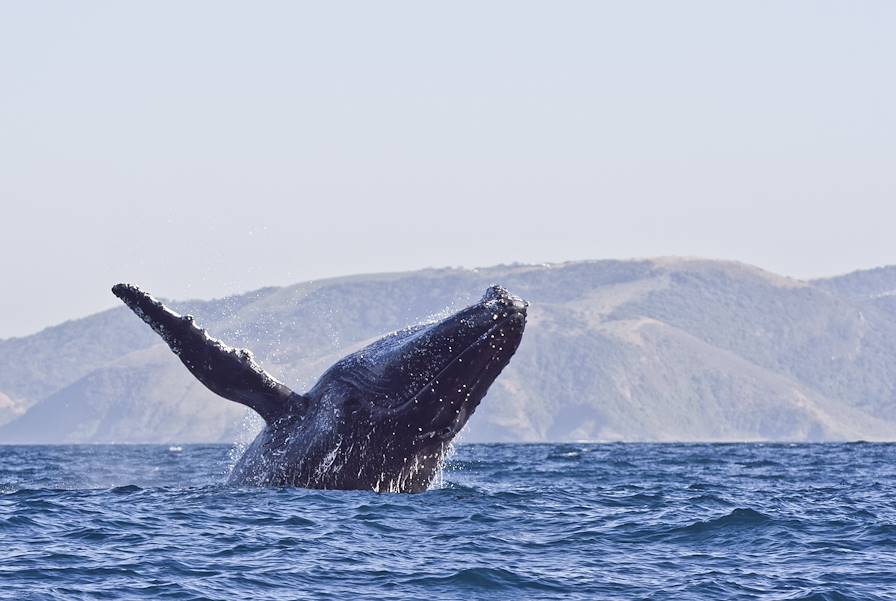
(204,148)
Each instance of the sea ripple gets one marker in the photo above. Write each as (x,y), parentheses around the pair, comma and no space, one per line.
(615,521)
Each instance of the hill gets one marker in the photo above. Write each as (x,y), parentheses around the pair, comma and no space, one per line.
(660,350)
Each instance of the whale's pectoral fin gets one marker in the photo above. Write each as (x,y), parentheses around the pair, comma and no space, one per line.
(229,372)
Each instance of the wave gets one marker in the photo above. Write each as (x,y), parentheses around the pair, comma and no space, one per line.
(829,596)
(487,579)
(736,522)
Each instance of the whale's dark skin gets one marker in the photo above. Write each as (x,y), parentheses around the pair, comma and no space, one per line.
(379,419)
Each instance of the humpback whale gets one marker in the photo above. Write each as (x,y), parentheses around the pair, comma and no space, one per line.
(379,419)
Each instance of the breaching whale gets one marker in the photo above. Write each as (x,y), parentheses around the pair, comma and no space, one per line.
(379,419)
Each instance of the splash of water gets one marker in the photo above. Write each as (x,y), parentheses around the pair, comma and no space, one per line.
(250,424)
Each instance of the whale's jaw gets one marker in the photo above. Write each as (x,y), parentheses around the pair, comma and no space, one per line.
(447,402)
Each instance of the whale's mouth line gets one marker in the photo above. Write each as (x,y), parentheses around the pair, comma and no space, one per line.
(448,366)
(481,339)
(452,429)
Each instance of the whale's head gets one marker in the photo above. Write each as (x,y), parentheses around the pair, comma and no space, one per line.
(412,391)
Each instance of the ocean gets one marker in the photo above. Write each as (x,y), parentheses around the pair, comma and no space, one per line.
(504,521)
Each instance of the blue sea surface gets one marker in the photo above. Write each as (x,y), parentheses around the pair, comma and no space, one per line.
(564,521)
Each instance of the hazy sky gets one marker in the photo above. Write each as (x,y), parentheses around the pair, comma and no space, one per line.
(204,148)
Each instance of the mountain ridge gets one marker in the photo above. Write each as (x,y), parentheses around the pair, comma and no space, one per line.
(670,348)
